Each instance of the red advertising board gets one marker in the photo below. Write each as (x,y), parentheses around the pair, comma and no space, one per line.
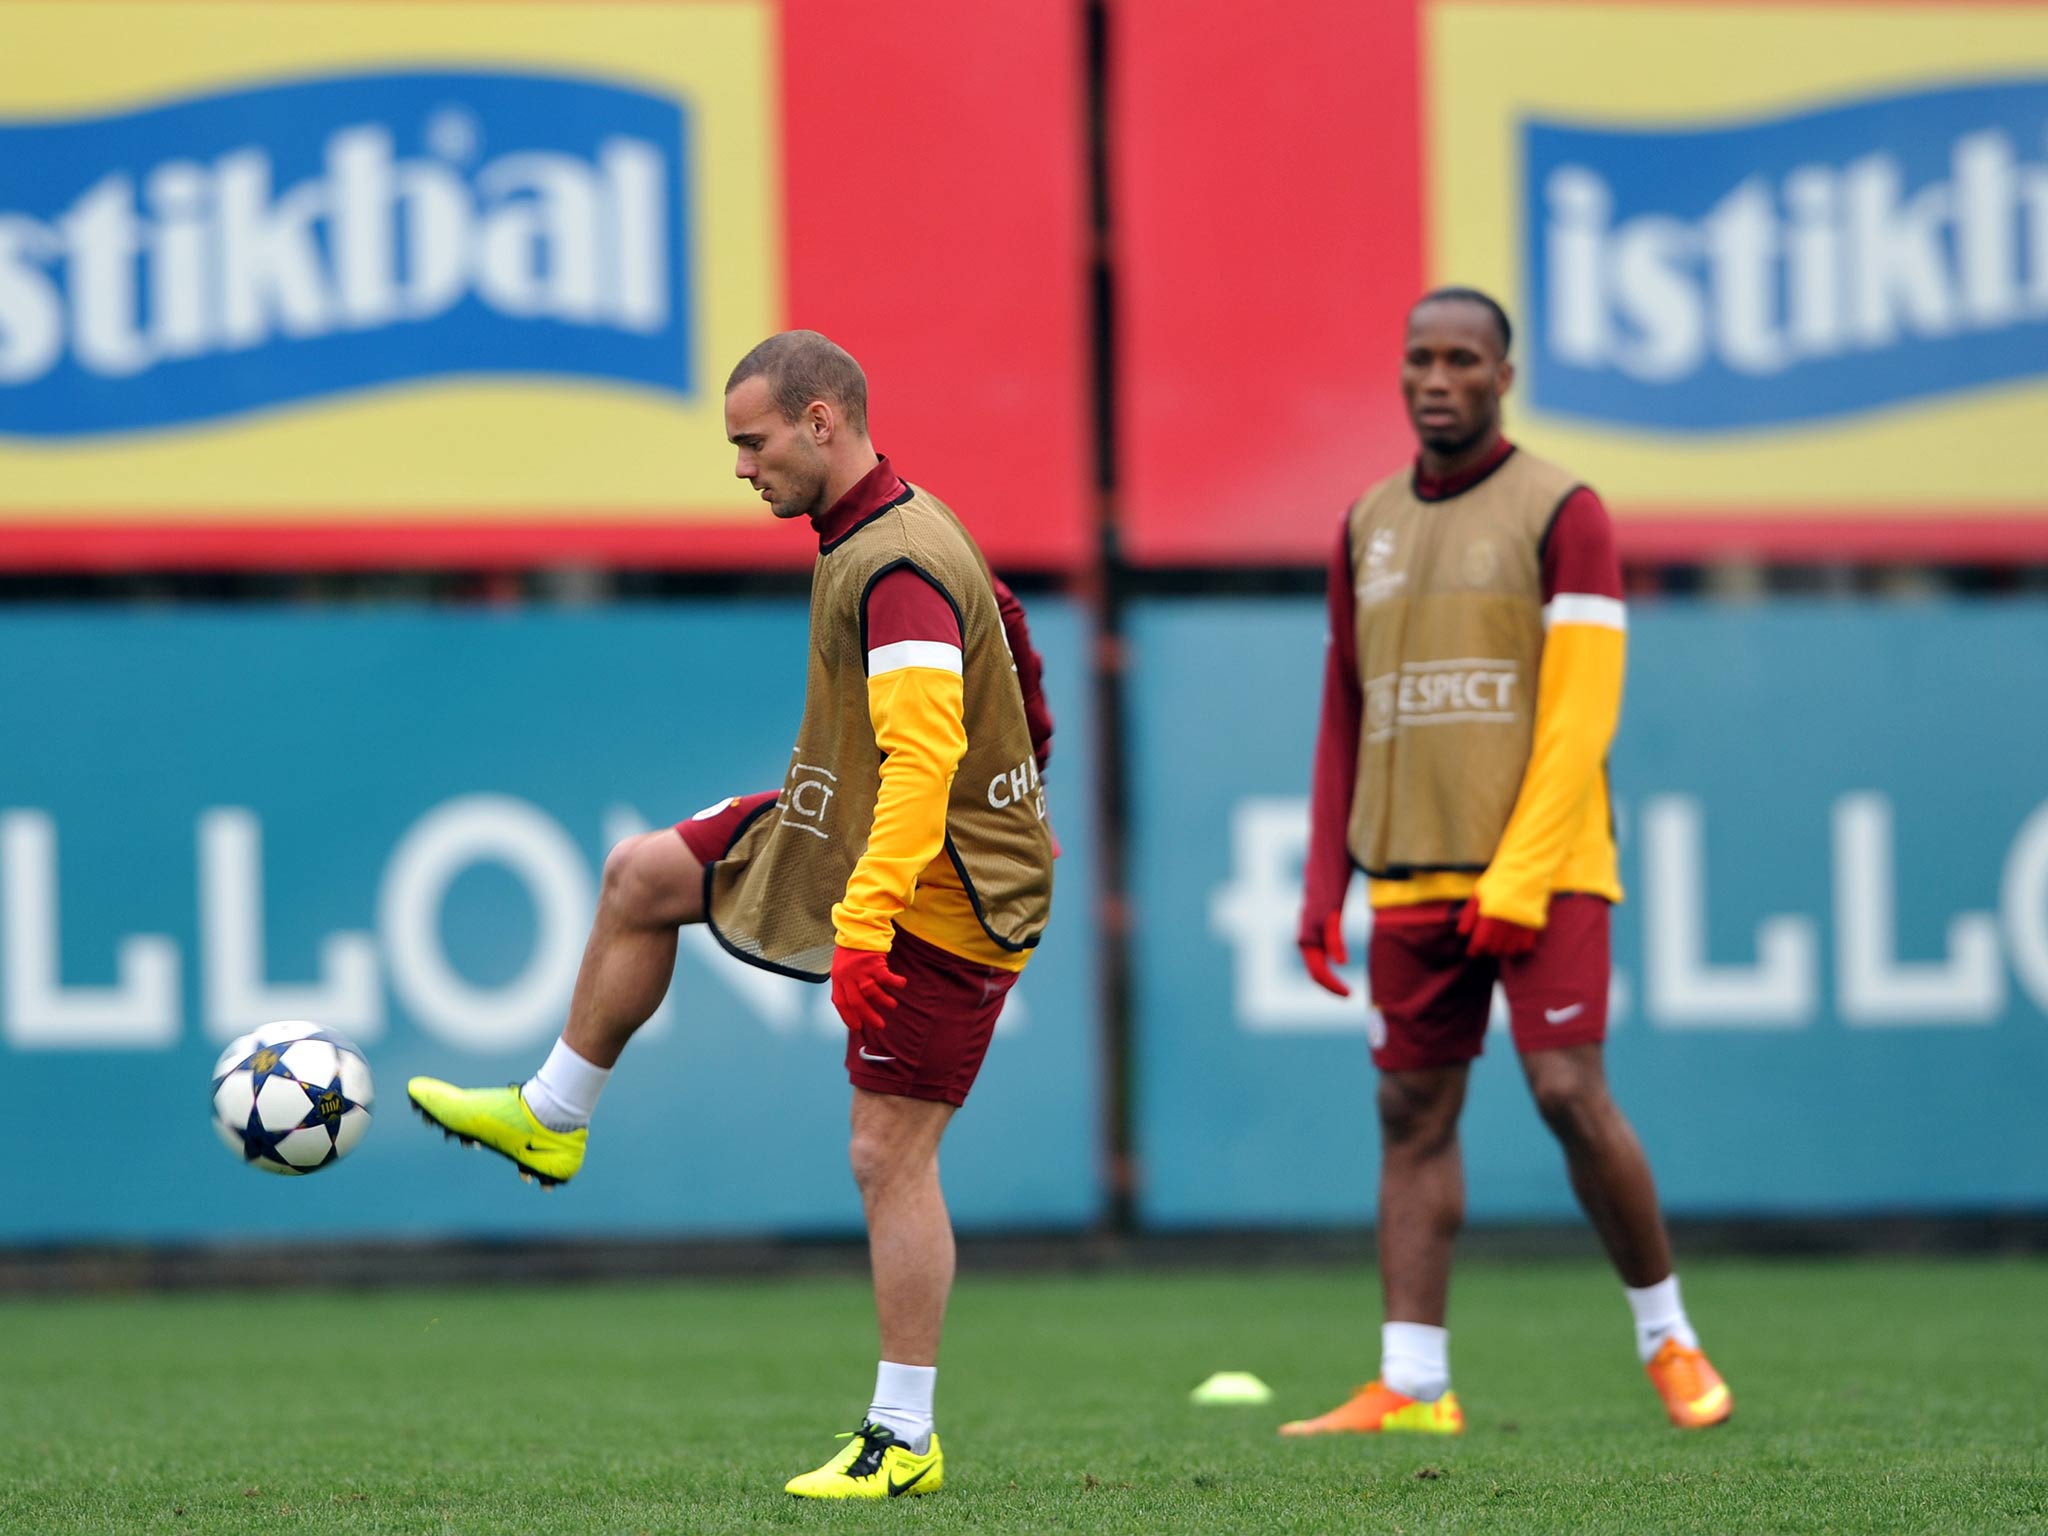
(935,167)
(361,283)
(1770,264)
(1267,214)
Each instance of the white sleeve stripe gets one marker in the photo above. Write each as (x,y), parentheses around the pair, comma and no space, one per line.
(1585,608)
(899,654)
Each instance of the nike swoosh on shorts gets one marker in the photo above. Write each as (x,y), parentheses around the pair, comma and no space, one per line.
(868,1055)
(1563,1015)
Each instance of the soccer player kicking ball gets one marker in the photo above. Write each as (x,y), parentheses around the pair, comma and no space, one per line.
(1472,686)
(906,859)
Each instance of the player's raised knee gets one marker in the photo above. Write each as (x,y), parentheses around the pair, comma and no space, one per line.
(622,881)
(652,879)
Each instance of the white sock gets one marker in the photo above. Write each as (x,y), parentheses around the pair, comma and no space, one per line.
(1660,1315)
(1415,1360)
(564,1091)
(903,1402)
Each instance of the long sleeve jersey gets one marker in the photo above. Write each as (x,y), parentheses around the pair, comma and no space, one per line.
(916,704)
(1559,836)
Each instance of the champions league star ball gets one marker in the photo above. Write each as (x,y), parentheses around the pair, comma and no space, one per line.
(291,1098)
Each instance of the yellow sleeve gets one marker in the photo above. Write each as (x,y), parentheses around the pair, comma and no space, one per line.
(1578,706)
(920,721)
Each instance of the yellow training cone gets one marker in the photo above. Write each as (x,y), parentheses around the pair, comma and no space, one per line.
(1232,1387)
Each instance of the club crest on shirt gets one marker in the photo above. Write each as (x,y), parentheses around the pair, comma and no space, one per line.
(1481,564)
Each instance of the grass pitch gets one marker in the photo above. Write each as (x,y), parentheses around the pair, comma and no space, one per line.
(1872,1396)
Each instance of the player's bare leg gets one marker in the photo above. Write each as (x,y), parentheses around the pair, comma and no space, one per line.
(1422,1190)
(1609,1172)
(895,1155)
(652,886)
(1422,1205)
(1612,1179)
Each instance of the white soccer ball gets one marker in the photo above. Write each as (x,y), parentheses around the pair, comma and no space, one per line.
(291,1097)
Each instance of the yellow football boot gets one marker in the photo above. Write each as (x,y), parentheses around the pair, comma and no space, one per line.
(1694,1394)
(499,1119)
(1377,1409)
(874,1464)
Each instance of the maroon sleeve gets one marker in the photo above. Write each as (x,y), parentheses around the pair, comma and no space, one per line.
(1030,672)
(904,606)
(1326,876)
(1578,549)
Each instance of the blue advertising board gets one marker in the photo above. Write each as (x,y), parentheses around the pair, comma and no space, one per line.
(1830,975)
(1653,254)
(393,823)
(615,302)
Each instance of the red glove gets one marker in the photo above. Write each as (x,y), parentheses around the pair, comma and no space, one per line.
(863,986)
(1317,957)
(1494,935)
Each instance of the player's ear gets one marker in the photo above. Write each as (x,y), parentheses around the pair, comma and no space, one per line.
(1506,375)
(820,422)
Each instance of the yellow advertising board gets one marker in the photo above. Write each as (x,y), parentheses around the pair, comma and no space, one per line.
(438,266)
(1782,267)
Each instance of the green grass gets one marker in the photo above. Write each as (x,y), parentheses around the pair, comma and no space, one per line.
(1873,1396)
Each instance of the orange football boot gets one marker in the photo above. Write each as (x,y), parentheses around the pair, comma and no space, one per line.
(1694,1394)
(1377,1409)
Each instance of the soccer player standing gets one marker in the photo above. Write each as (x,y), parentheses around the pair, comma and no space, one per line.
(1472,686)
(906,859)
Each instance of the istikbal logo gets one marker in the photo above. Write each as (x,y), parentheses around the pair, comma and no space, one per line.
(1816,265)
(218,255)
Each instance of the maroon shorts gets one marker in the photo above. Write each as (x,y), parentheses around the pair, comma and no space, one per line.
(933,1041)
(710,832)
(1433,999)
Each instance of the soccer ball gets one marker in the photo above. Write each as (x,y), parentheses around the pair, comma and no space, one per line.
(291,1097)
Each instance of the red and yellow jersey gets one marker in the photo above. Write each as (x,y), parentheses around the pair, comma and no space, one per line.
(916,703)
(1560,835)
